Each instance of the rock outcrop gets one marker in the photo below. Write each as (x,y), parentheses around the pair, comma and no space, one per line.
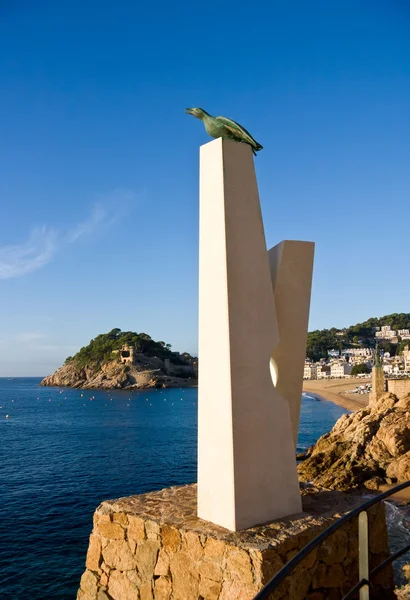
(114,375)
(368,447)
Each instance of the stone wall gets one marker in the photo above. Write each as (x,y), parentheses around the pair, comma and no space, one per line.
(153,546)
(399,387)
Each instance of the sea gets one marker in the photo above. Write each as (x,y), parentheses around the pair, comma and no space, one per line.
(64,451)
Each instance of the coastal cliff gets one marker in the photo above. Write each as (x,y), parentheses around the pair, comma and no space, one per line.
(369,447)
(125,360)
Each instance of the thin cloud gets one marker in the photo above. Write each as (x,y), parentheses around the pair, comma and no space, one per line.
(37,251)
(29,336)
(44,242)
(98,215)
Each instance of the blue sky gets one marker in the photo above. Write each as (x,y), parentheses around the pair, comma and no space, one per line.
(99,164)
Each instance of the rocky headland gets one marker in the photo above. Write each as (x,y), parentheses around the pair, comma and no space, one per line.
(125,360)
(370,448)
(112,375)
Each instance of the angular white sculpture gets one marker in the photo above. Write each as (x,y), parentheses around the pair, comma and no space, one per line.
(246,453)
(291,267)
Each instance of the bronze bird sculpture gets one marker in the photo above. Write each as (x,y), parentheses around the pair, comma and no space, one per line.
(225,128)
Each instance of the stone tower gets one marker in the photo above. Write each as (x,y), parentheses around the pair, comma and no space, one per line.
(127,354)
(378,383)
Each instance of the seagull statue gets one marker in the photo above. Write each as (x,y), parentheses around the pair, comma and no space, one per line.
(225,128)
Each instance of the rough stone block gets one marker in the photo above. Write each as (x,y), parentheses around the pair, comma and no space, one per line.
(93,559)
(146,591)
(210,570)
(146,557)
(121,588)
(120,518)
(209,589)
(192,545)
(185,576)
(117,555)
(215,549)
(171,538)
(162,588)
(88,584)
(193,559)
(162,566)
(136,528)
(111,531)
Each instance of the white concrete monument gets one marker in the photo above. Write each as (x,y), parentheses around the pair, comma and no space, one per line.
(291,266)
(246,448)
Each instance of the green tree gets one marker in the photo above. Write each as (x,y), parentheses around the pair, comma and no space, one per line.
(401,345)
(100,349)
(358,369)
(319,342)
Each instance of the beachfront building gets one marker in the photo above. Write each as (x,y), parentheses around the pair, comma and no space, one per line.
(396,365)
(340,369)
(309,371)
(360,360)
(322,371)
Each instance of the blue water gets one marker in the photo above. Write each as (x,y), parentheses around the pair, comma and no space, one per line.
(61,454)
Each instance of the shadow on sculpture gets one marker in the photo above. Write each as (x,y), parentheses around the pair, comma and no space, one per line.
(291,268)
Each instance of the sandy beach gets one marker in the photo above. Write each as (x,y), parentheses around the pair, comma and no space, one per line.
(335,390)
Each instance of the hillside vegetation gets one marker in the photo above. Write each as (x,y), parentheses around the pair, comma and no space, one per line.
(319,342)
(100,349)
(97,365)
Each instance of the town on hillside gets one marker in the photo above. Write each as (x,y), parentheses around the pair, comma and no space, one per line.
(358,361)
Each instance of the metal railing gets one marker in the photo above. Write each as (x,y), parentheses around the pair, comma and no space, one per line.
(363,585)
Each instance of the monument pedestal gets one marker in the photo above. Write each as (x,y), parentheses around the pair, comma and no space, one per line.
(153,546)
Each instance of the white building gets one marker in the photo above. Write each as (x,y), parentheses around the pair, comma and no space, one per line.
(340,369)
(367,352)
(309,371)
(386,333)
(322,371)
(360,360)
